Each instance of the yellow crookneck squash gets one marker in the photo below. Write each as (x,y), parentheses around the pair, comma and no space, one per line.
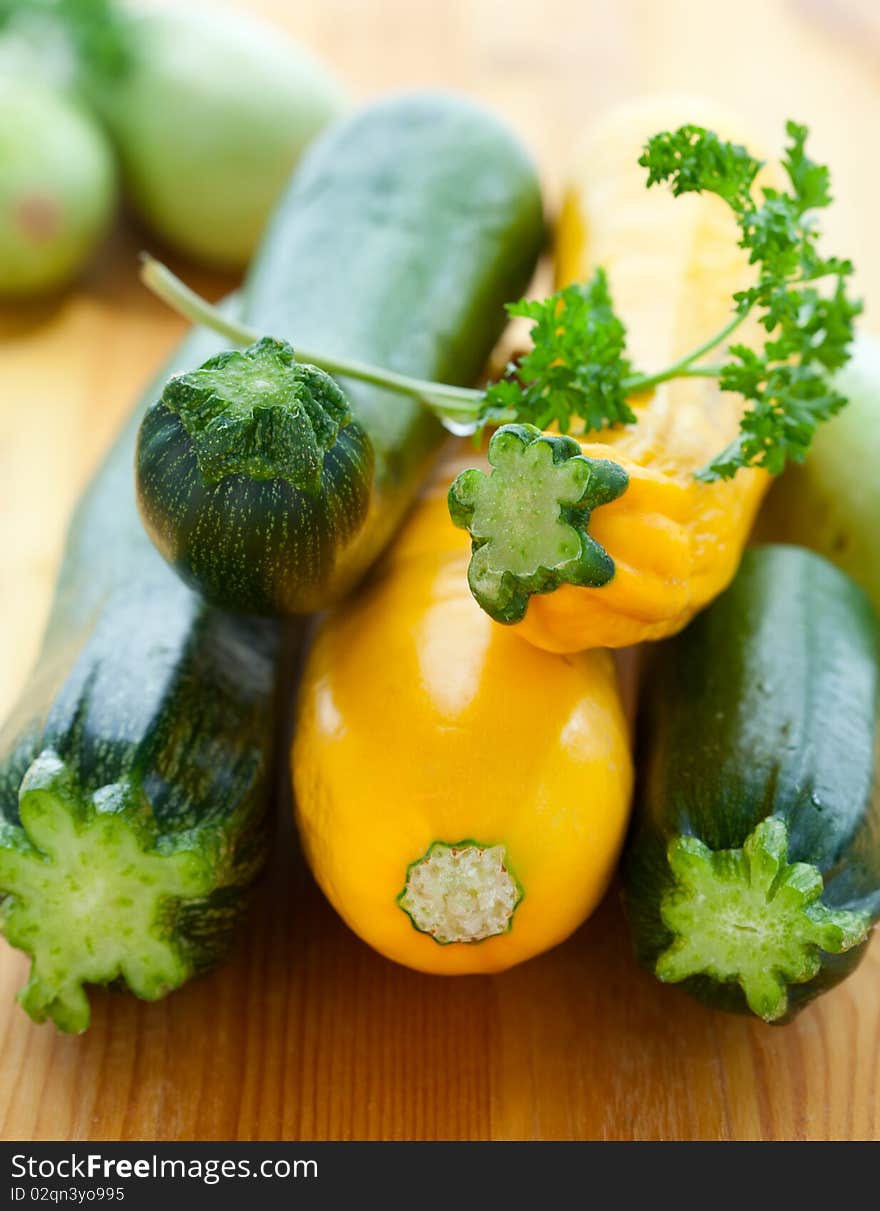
(462,797)
(673,265)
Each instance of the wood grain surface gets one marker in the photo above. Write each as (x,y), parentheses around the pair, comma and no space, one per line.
(308,1034)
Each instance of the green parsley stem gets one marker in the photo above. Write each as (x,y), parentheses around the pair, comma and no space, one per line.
(713,341)
(440,397)
(459,407)
(643,382)
(684,367)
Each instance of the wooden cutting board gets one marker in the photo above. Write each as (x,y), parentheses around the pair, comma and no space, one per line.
(307,1033)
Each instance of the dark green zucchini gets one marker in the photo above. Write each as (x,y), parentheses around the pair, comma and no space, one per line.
(133,769)
(752,875)
(133,772)
(444,210)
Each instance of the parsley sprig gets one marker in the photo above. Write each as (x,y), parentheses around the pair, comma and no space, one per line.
(577,375)
(577,366)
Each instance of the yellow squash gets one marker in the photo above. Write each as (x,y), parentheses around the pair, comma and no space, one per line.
(462,797)
(673,266)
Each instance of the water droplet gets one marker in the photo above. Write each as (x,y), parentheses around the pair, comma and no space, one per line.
(459,428)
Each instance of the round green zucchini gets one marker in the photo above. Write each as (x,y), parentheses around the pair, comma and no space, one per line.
(752,876)
(440,205)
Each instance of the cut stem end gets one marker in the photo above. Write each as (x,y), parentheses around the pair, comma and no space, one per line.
(461,893)
(750,917)
(260,413)
(89,895)
(529,518)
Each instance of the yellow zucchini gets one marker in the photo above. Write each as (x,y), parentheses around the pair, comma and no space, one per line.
(455,785)
(673,265)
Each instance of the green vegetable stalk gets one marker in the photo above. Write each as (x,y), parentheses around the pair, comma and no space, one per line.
(749,917)
(257,479)
(529,518)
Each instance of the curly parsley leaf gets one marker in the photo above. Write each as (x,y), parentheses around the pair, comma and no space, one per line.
(577,374)
(809,329)
(694,160)
(577,368)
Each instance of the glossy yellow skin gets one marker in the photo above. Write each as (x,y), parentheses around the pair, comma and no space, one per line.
(673,265)
(420,720)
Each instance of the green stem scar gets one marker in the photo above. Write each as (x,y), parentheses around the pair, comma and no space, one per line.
(260,413)
(749,916)
(89,894)
(463,892)
(528,518)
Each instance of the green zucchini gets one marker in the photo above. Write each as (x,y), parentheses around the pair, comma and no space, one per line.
(445,209)
(752,875)
(134,770)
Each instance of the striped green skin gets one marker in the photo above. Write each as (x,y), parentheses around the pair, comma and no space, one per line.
(149,706)
(766,705)
(233,539)
(439,214)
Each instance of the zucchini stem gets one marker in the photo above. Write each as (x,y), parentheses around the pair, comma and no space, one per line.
(260,413)
(529,518)
(750,917)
